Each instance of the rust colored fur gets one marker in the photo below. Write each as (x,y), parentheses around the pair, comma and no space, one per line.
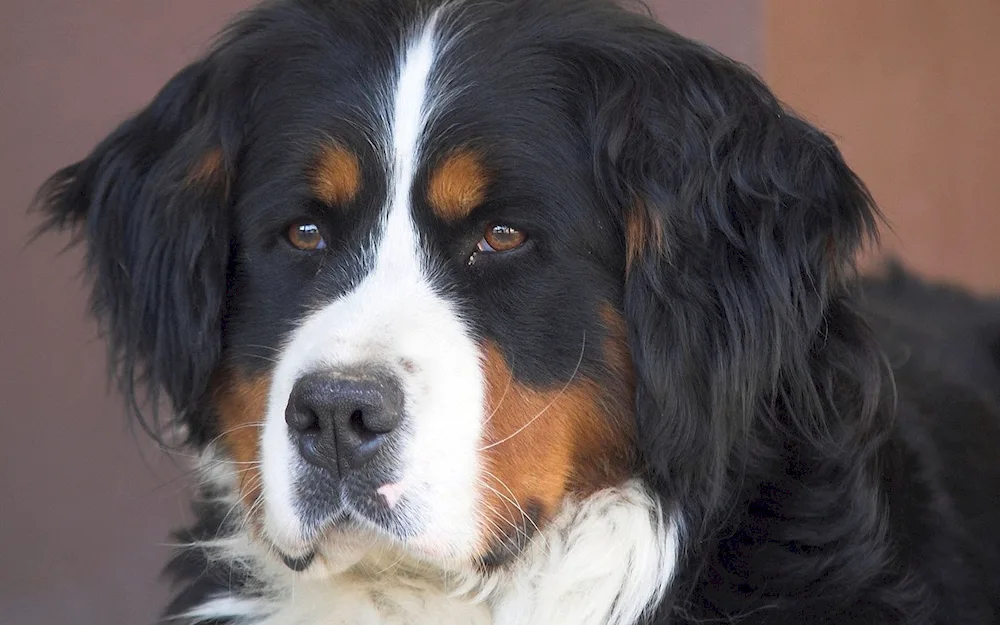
(457,186)
(544,444)
(241,403)
(336,177)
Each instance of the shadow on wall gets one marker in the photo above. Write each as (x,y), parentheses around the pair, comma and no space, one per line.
(85,518)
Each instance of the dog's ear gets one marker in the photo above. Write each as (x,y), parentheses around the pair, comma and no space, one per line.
(741,224)
(150,203)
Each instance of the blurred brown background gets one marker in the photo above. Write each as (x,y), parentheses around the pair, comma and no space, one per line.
(906,86)
(910,89)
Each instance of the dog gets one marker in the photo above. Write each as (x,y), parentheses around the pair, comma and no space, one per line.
(530,312)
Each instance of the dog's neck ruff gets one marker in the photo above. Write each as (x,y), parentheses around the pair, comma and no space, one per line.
(603,560)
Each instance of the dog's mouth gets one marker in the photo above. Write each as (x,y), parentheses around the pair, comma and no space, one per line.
(332,524)
(337,544)
(298,563)
(336,547)
(330,545)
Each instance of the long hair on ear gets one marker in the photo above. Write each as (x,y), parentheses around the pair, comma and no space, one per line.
(150,203)
(740,225)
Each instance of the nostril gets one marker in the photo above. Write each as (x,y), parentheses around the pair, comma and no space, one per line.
(360,426)
(301,420)
(311,424)
(358,423)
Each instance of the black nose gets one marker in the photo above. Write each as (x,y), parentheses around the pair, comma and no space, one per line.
(340,419)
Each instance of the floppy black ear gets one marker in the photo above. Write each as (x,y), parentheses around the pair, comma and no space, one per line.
(150,204)
(741,224)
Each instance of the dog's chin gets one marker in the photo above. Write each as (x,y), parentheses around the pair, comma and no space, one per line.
(350,540)
(335,552)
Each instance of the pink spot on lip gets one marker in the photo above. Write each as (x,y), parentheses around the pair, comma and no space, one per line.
(392,493)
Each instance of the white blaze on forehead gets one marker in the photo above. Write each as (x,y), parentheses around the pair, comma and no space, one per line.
(412,103)
(400,245)
(395,314)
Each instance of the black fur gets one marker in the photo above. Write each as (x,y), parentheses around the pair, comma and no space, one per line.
(830,444)
(199,577)
(155,243)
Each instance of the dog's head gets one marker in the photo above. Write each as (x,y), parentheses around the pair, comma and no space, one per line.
(422,273)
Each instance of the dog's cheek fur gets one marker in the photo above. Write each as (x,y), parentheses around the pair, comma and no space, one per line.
(240,400)
(545,444)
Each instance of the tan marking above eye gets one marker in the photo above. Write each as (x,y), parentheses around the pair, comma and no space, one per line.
(457,185)
(336,175)
(306,236)
(501,238)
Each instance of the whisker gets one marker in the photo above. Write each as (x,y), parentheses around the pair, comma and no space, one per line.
(259,356)
(276,350)
(394,565)
(501,535)
(549,405)
(517,528)
(241,426)
(510,380)
(258,502)
(254,482)
(512,500)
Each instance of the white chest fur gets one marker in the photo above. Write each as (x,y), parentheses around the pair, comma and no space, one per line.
(602,561)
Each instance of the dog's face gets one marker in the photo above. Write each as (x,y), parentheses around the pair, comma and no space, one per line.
(419,274)
(424,336)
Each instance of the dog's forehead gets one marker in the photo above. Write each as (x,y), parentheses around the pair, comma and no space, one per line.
(420,109)
(478,68)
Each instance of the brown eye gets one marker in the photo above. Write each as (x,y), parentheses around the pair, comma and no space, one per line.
(500,238)
(306,236)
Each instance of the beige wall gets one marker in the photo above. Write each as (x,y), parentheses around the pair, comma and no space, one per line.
(911,90)
(734,27)
(82,515)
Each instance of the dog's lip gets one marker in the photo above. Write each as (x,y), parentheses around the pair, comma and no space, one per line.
(298,563)
(299,553)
